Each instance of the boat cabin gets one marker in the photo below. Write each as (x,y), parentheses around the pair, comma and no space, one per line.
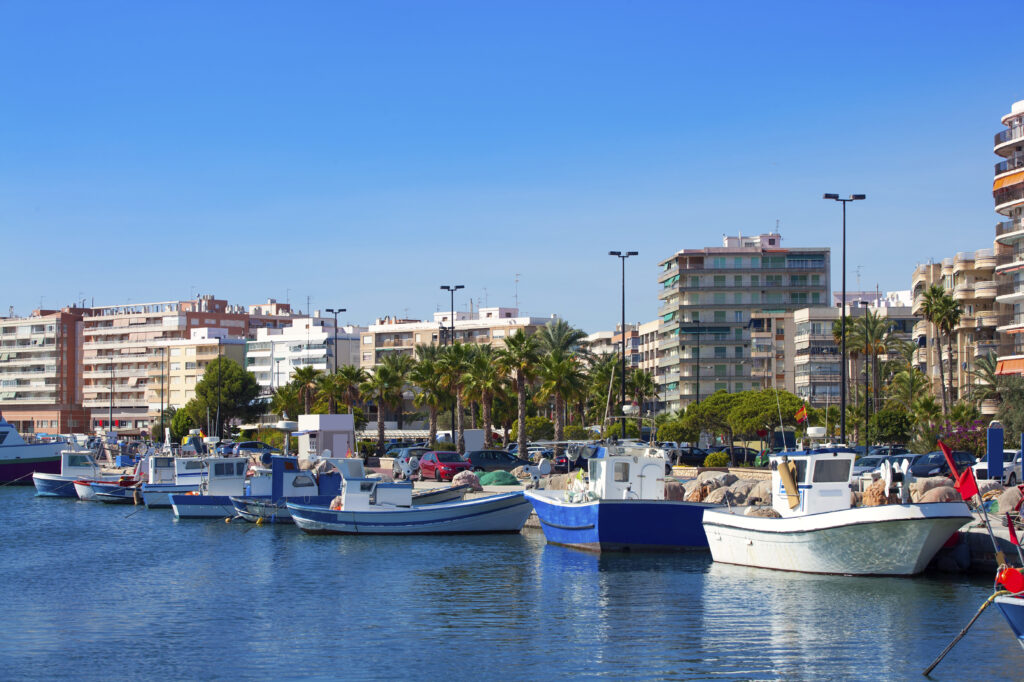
(9,435)
(619,472)
(189,470)
(359,493)
(225,475)
(161,470)
(283,478)
(820,477)
(78,463)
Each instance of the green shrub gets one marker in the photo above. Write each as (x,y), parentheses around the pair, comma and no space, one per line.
(576,432)
(717,459)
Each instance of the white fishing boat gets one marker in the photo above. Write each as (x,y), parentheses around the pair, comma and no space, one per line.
(171,475)
(74,465)
(817,529)
(374,506)
(225,478)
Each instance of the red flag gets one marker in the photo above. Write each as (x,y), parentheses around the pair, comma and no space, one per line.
(1013,531)
(966,484)
(949,460)
(801,414)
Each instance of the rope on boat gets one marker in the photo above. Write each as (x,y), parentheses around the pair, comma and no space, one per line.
(12,482)
(963,632)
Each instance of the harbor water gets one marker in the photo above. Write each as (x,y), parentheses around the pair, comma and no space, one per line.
(94,591)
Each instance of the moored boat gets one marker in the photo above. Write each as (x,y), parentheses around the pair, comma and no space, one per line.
(225,478)
(20,459)
(816,530)
(372,506)
(74,465)
(169,475)
(621,505)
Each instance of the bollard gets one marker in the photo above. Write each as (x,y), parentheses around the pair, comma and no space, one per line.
(995,451)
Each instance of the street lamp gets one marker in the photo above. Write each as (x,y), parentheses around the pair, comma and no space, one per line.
(622,257)
(335,311)
(451,289)
(842,318)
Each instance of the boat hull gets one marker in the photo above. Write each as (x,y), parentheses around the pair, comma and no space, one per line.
(506,513)
(1012,608)
(187,506)
(45,459)
(440,495)
(883,540)
(158,495)
(620,525)
(54,485)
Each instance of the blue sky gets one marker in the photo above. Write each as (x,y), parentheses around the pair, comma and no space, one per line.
(363,154)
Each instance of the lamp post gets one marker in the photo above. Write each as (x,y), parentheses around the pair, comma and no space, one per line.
(842,318)
(335,311)
(622,257)
(451,289)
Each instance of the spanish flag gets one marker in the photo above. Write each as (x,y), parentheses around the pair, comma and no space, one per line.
(801,414)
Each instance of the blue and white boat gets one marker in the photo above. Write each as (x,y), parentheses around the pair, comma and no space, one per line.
(169,475)
(1012,608)
(372,506)
(271,487)
(619,506)
(225,478)
(74,465)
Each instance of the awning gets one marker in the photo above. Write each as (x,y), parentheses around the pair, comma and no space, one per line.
(394,433)
(1011,179)
(1015,366)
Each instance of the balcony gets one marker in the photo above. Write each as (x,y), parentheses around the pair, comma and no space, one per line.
(964,291)
(987,289)
(1008,136)
(987,318)
(1007,197)
(983,348)
(1012,163)
(985,259)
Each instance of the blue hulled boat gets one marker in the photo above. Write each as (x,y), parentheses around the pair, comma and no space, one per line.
(621,505)
(1012,608)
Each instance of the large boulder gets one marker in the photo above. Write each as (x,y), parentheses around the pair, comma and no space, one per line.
(675,491)
(717,496)
(740,490)
(920,486)
(945,493)
(723,478)
(1009,500)
(467,477)
(689,487)
(761,493)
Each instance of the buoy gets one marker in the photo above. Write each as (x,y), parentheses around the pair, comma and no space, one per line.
(1011,579)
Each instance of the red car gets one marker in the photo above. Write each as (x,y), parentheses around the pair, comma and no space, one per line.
(442,466)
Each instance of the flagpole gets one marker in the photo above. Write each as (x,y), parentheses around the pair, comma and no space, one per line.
(1013,537)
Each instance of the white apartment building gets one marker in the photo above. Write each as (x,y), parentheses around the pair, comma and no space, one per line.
(276,353)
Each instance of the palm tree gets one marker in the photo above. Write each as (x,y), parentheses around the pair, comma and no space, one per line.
(560,335)
(851,352)
(285,401)
(306,380)
(349,378)
(985,379)
(384,388)
(872,336)
(454,365)
(932,309)
(519,359)
(561,377)
(948,320)
(963,413)
(483,380)
(426,376)
(640,386)
(401,364)
(329,392)
(604,370)
(907,387)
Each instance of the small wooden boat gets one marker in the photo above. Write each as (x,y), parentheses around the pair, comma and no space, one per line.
(74,465)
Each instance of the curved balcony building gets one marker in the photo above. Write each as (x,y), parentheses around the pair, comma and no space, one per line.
(1008,195)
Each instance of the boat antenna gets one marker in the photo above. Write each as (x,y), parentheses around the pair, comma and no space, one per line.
(782,428)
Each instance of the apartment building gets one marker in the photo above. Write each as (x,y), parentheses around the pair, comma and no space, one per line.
(772,350)
(270,315)
(275,353)
(123,344)
(1008,195)
(173,377)
(40,371)
(485,326)
(970,278)
(708,297)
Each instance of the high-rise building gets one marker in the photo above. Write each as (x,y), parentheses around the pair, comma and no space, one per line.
(124,345)
(275,353)
(1008,194)
(708,296)
(40,371)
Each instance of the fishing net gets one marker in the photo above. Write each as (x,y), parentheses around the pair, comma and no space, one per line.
(498,478)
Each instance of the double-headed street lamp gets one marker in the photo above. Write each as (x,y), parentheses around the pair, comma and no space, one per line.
(451,289)
(842,320)
(335,311)
(623,256)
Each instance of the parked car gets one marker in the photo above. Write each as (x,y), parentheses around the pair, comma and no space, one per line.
(934,463)
(888,450)
(741,454)
(1011,468)
(225,447)
(254,447)
(689,455)
(494,460)
(867,463)
(441,465)
(401,455)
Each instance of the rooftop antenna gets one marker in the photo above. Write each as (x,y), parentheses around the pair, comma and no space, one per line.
(307,305)
(517,290)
